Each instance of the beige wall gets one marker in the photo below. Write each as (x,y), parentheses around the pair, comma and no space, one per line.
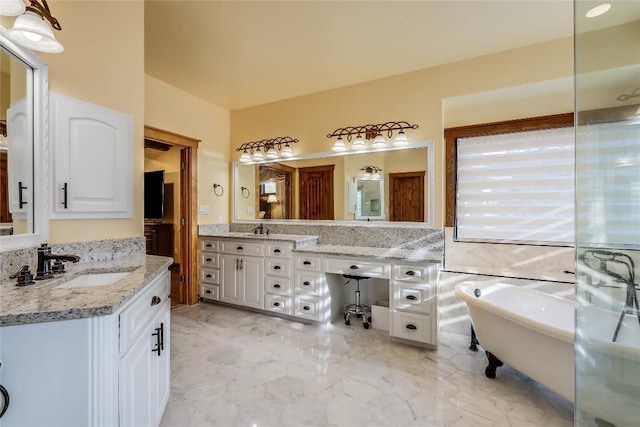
(174,110)
(103,63)
(418,97)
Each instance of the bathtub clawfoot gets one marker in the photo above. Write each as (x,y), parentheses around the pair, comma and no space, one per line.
(494,363)
(473,345)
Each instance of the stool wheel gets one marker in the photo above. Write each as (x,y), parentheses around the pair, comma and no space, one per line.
(366,325)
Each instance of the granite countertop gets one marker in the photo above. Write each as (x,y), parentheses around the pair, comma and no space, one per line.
(43,302)
(299,240)
(417,255)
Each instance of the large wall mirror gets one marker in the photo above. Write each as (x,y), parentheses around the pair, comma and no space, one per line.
(384,185)
(23,141)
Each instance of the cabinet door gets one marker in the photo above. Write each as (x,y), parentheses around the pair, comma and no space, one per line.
(160,367)
(92,168)
(20,160)
(252,279)
(229,279)
(136,388)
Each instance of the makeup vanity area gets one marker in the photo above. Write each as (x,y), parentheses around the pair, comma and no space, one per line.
(291,276)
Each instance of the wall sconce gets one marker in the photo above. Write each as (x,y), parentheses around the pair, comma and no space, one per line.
(371,172)
(374,132)
(29,30)
(269,149)
(272,199)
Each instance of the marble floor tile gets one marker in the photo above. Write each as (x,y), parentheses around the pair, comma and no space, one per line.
(231,367)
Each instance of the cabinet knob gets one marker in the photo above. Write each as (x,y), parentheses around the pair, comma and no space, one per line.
(306,283)
(306,308)
(209,245)
(412,297)
(276,304)
(277,286)
(209,276)
(277,267)
(208,291)
(209,259)
(306,263)
(412,327)
(155,300)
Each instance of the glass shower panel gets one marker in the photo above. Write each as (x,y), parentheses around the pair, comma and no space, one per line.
(607,340)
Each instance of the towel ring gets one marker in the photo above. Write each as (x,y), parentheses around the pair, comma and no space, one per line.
(243,191)
(215,190)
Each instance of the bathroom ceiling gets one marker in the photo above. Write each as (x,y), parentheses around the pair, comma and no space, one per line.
(238,54)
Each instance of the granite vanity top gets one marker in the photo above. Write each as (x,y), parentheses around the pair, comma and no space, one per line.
(44,302)
(298,240)
(416,255)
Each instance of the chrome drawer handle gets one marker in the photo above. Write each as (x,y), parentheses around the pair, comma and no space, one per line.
(412,327)
(277,286)
(155,300)
(412,297)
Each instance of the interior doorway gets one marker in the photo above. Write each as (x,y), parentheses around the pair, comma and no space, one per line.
(275,191)
(184,225)
(406,196)
(316,192)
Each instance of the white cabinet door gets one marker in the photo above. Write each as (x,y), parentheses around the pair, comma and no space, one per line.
(160,365)
(252,281)
(230,289)
(92,169)
(20,160)
(135,384)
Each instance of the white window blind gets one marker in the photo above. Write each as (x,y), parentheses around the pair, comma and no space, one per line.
(608,186)
(516,187)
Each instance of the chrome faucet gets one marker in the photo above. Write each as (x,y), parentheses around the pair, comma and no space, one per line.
(44,269)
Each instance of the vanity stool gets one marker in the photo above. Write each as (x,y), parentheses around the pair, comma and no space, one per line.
(358,309)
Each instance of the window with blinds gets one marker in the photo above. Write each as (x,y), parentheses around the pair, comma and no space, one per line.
(516,187)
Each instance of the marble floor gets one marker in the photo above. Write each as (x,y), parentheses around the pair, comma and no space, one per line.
(231,367)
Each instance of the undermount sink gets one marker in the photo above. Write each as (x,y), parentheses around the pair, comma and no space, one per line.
(255,235)
(94,279)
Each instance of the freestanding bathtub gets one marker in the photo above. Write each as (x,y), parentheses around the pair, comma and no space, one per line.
(530,330)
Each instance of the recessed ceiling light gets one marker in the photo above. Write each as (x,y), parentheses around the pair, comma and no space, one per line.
(598,10)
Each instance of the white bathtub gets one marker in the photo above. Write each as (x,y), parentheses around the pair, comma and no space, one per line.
(530,330)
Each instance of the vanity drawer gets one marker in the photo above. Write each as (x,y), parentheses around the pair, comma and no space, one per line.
(414,273)
(208,275)
(277,285)
(210,260)
(306,262)
(307,307)
(278,250)
(277,267)
(414,327)
(308,282)
(135,318)
(208,245)
(413,297)
(277,303)
(210,292)
(356,267)
(241,248)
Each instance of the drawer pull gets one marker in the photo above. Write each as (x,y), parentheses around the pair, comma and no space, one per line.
(412,297)
(412,327)
(306,263)
(277,286)
(209,259)
(410,273)
(155,300)
(354,267)
(277,267)
(276,304)
(306,283)
(209,276)
(276,251)
(239,248)
(306,308)
(208,291)
(208,245)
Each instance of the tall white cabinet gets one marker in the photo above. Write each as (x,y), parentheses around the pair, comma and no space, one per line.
(92,168)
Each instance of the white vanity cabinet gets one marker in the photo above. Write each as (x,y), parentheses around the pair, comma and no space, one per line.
(278,295)
(92,166)
(310,288)
(209,262)
(241,280)
(96,371)
(414,302)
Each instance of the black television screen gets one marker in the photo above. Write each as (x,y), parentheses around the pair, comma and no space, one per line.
(153,194)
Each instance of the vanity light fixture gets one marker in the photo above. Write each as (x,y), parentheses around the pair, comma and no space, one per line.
(371,172)
(29,29)
(271,149)
(12,7)
(371,131)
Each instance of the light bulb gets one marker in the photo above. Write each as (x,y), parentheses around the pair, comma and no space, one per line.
(358,143)
(339,145)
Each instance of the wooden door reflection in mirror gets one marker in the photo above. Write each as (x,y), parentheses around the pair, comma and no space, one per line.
(316,192)
(406,196)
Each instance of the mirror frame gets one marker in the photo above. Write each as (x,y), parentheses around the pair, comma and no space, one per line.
(38,86)
(431,164)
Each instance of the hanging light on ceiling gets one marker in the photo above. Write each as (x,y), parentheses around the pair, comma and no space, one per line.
(30,31)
